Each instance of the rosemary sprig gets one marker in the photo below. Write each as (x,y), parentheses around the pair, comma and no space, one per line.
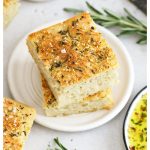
(128,24)
(59,144)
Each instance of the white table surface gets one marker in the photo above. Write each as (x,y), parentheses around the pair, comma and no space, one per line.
(31,15)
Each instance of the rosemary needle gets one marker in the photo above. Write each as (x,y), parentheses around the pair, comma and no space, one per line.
(59,144)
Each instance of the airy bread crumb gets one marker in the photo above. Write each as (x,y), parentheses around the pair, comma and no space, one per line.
(95,102)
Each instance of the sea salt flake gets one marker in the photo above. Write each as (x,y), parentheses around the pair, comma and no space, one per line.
(63,51)
(14,109)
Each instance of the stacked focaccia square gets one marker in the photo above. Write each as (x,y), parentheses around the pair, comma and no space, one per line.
(78,67)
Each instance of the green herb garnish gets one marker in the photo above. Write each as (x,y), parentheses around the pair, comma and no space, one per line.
(25,133)
(37,47)
(128,24)
(13,134)
(59,144)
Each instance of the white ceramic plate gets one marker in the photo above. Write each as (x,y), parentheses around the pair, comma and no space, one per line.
(24,82)
(130,110)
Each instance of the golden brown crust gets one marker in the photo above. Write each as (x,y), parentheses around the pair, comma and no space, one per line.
(73,51)
(17,122)
(47,93)
(7,3)
(49,98)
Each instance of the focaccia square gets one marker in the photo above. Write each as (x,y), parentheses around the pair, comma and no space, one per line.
(17,122)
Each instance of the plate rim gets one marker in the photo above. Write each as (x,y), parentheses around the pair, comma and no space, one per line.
(134,100)
(101,121)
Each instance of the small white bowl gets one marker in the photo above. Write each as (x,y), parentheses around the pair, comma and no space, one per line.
(130,110)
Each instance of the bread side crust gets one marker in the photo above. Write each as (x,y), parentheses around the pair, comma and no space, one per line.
(95,102)
(49,97)
(78,108)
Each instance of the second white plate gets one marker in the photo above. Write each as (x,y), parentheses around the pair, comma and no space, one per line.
(24,82)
